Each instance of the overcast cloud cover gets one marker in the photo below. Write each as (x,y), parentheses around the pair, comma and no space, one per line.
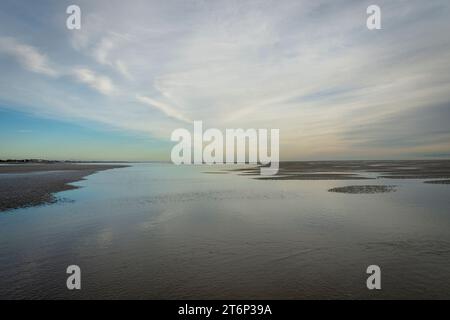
(311,68)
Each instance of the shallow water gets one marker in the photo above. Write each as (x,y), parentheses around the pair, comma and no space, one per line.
(161,231)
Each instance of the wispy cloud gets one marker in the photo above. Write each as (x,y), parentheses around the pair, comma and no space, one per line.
(165,108)
(102,54)
(29,57)
(100,83)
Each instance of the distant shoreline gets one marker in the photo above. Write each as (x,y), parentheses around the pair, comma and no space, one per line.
(30,184)
(44,161)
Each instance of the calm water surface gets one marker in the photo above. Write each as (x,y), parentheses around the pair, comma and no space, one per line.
(161,231)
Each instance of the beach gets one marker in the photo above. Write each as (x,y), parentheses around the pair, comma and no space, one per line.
(24,185)
(160,231)
(30,184)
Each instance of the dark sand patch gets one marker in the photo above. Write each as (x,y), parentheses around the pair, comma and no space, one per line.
(438,181)
(367,189)
(322,176)
(34,184)
(216,172)
(356,170)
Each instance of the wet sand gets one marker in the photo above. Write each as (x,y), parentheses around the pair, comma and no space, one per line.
(438,182)
(364,189)
(356,170)
(24,185)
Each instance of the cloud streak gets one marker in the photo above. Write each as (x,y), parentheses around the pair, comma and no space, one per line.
(165,108)
(100,83)
(29,57)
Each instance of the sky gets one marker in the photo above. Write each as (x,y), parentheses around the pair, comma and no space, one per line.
(137,70)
